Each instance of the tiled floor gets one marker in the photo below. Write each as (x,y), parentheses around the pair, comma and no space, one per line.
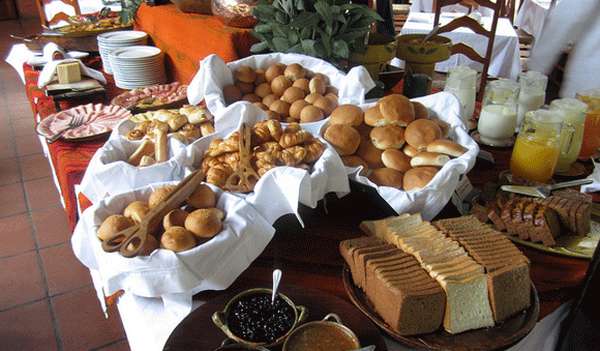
(47,301)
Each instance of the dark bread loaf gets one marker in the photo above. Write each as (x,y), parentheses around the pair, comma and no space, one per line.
(573,208)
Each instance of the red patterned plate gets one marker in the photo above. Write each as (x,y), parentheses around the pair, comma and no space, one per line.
(98,119)
(153,97)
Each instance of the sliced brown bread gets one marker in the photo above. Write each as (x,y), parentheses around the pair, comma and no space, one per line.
(509,289)
(347,247)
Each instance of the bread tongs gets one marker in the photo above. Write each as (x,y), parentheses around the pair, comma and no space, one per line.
(544,190)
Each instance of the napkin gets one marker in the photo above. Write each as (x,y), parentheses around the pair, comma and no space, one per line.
(595,176)
(48,74)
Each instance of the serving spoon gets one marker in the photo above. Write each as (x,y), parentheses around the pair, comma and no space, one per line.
(276,280)
(366,348)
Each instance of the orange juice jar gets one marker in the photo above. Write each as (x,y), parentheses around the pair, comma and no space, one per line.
(537,147)
(591,129)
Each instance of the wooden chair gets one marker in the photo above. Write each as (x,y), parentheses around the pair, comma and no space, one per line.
(468,22)
(58,17)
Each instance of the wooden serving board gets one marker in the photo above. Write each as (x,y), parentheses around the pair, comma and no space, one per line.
(197,332)
(499,337)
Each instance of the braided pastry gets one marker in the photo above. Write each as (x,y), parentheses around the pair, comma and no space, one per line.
(293,127)
(190,131)
(135,134)
(260,133)
(274,129)
(293,155)
(270,146)
(314,150)
(231,158)
(268,156)
(218,174)
(289,139)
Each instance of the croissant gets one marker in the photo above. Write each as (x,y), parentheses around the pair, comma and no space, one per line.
(231,158)
(261,134)
(268,156)
(135,134)
(190,131)
(176,121)
(293,127)
(270,146)
(218,174)
(293,155)
(274,129)
(289,139)
(314,150)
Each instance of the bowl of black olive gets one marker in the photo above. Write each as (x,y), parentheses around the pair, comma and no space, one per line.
(251,319)
(230,345)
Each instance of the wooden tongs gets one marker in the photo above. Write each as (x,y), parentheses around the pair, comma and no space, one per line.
(244,177)
(130,242)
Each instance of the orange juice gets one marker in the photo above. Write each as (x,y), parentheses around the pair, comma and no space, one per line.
(534,158)
(591,129)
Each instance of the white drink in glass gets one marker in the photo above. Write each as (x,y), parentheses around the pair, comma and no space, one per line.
(497,124)
(572,112)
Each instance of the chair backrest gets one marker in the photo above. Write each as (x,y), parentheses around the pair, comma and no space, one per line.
(509,9)
(468,22)
(48,20)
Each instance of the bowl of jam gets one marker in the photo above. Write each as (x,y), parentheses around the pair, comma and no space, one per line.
(252,320)
(329,334)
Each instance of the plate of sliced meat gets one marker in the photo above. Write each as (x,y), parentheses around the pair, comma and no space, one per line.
(155,97)
(92,120)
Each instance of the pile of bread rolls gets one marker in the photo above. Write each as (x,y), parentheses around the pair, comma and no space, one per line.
(395,141)
(288,93)
(152,128)
(197,221)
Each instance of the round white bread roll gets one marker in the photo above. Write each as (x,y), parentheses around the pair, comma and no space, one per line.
(343,138)
(421,112)
(347,114)
(177,239)
(396,109)
(205,222)
(202,197)
(386,177)
(410,151)
(159,195)
(368,152)
(448,147)
(387,137)
(175,218)
(418,178)
(421,132)
(112,225)
(429,159)
(396,159)
(136,210)
(373,117)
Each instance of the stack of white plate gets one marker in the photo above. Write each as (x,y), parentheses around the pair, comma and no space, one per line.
(109,41)
(138,66)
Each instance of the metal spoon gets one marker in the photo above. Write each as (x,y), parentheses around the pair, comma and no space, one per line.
(366,348)
(276,280)
(431,34)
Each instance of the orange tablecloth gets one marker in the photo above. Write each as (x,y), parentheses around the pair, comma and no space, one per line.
(188,38)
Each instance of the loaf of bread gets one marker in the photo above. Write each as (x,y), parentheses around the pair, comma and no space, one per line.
(574,210)
(528,219)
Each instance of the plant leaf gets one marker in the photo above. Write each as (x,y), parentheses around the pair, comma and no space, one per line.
(293,38)
(323,10)
(263,28)
(305,32)
(281,44)
(341,49)
(259,47)
(305,19)
(308,46)
(281,18)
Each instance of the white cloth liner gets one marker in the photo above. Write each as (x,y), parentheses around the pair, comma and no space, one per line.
(174,277)
(214,74)
(430,200)
(595,176)
(48,74)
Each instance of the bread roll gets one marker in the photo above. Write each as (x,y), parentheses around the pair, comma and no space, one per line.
(280,107)
(205,222)
(373,117)
(112,225)
(429,159)
(251,98)
(231,93)
(245,88)
(325,104)
(159,195)
(280,84)
(347,114)
(175,218)
(387,137)
(270,99)
(294,72)
(161,151)
(245,74)
(410,151)
(418,178)
(136,211)
(345,139)
(261,106)
(312,97)
(386,177)
(150,245)
(310,113)
(146,148)
(317,85)
(396,159)
(263,90)
(444,127)
(202,197)
(292,94)
(421,112)
(296,108)
(177,239)
(368,152)
(260,76)
(354,161)
(445,146)
(274,71)
(396,109)
(302,84)
(421,132)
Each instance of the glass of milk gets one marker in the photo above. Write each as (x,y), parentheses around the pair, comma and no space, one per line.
(498,118)
(572,112)
(532,94)
(462,82)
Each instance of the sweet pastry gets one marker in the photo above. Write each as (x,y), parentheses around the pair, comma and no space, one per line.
(177,239)
(136,210)
(386,177)
(205,222)
(146,148)
(418,178)
(175,218)
(343,138)
(159,195)
(387,137)
(113,225)
(396,109)
(421,133)
(445,146)
(347,114)
(202,197)
(429,159)
(396,159)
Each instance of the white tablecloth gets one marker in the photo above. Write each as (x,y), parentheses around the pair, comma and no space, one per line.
(531,16)
(505,60)
(427,6)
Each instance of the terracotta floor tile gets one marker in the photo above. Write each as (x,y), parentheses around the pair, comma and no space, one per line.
(81,323)
(9,171)
(7,148)
(21,280)
(51,226)
(122,345)
(28,328)
(28,145)
(41,194)
(23,126)
(16,235)
(14,192)
(35,166)
(63,271)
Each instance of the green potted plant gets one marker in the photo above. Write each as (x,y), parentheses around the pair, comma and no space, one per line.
(328,29)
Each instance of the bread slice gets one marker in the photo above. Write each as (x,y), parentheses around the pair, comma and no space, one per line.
(347,247)
(361,256)
(509,290)
(360,252)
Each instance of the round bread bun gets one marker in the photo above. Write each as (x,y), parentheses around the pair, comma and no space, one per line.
(280,84)
(175,218)
(354,161)
(302,83)
(347,114)
(292,94)
(410,151)
(387,137)
(444,127)
(421,132)
(245,88)
(261,106)
(396,109)
(421,112)
(281,107)
(325,104)
(373,117)
(332,97)
(260,76)
(312,97)
(317,85)
(205,222)
(150,245)
(429,159)
(112,225)
(296,108)
(331,90)
(231,93)
(386,177)
(273,71)
(202,197)
(445,146)
(344,138)
(322,77)
(269,99)
(245,74)
(136,211)
(273,115)
(418,178)
(310,113)
(294,71)
(177,239)
(263,90)
(159,195)
(396,159)
(368,152)
(251,98)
